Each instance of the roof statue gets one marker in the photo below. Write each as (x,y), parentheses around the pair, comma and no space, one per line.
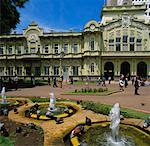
(118,2)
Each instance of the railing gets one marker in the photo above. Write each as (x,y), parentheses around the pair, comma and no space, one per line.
(80,55)
(126,53)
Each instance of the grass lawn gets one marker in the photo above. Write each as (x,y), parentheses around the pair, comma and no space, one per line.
(5,141)
(105,109)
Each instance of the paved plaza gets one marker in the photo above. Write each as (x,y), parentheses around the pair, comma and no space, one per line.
(126,98)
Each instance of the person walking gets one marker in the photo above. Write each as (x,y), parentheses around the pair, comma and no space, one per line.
(103,81)
(132,79)
(16,82)
(126,82)
(121,84)
(109,79)
(136,85)
(49,80)
(71,80)
(55,82)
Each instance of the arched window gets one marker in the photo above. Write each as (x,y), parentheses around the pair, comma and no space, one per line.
(92,44)
(92,67)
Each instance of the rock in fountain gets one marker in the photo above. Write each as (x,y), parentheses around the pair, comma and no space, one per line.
(114,139)
(3,96)
(52,102)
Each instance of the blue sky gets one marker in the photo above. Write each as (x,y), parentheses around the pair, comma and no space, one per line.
(60,15)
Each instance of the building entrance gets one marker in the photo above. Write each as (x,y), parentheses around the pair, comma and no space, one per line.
(125,69)
(109,70)
(142,69)
(66,73)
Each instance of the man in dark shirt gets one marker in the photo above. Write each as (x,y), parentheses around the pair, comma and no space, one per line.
(55,82)
(136,85)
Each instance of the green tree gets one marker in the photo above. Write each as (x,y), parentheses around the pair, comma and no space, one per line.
(9,14)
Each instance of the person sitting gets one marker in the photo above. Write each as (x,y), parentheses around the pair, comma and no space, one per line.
(15,111)
(59,120)
(18,129)
(4,131)
(36,106)
(146,123)
(88,121)
(49,115)
(5,112)
(66,110)
(77,131)
(38,114)
(27,113)
(32,125)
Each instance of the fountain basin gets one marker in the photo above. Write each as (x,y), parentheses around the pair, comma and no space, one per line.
(100,135)
(11,103)
(59,111)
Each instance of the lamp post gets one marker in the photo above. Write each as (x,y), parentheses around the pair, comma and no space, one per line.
(61,73)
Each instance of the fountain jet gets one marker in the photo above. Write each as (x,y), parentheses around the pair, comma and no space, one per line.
(52,102)
(114,139)
(3,96)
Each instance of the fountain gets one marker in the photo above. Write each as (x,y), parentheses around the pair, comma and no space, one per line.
(3,96)
(114,139)
(99,134)
(52,102)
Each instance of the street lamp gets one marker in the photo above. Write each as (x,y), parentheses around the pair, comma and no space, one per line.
(61,73)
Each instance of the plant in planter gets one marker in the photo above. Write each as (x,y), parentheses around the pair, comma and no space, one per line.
(89,90)
(82,90)
(75,90)
(100,90)
(94,90)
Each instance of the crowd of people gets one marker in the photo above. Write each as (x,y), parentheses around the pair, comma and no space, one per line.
(136,82)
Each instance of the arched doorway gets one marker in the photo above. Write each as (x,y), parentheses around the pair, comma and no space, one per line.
(142,69)
(125,69)
(109,70)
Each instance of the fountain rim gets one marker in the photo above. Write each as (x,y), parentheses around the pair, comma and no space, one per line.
(142,130)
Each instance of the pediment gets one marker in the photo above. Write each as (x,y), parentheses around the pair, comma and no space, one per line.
(126,22)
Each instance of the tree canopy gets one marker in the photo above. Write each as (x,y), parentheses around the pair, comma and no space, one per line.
(9,14)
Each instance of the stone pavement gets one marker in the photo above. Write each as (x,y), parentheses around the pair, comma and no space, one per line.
(54,133)
(126,98)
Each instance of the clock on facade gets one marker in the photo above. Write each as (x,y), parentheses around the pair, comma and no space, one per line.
(33,37)
(92,26)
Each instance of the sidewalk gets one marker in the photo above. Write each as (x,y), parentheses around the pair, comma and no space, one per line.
(126,98)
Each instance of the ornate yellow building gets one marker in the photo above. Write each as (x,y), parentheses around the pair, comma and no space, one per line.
(119,44)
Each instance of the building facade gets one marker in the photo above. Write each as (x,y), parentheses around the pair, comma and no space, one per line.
(119,44)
